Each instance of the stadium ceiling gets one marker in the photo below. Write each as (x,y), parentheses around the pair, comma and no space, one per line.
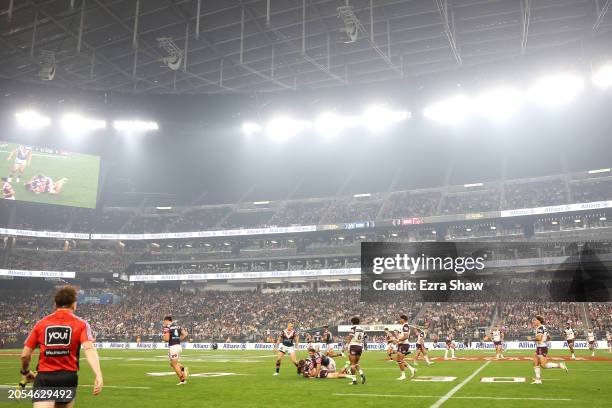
(247,46)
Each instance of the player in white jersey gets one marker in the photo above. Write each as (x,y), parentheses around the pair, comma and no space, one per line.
(391,338)
(403,348)
(450,346)
(289,342)
(592,340)
(498,340)
(355,348)
(420,348)
(570,337)
(609,339)
(23,157)
(541,341)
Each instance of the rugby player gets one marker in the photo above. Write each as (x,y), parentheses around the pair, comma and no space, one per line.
(570,337)
(60,337)
(317,340)
(420,348)
(322,366)
(592,339)
(450,345)
(289,342)
(23,157)
(539,359)
(174,335)
(355,343)
(8,193)
(391,337)
(609,339)
(42,184)
(328,339)
(498,337)
(403,348)
(307,369)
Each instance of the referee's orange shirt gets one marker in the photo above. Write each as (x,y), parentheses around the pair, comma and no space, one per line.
(59,336)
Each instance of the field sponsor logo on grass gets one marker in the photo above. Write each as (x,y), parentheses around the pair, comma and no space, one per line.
(428,378)
(503,379)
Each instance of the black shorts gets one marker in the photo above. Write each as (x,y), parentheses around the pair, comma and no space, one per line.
(355,350)
(60,380)
(542,351)
(404,349)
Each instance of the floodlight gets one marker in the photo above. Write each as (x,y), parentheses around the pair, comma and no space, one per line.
(32,120)
(449,111)
(603,77)
(134,125)
(330,124)
(378,118)
(555,90)
(498,104)
(75,123)
(251,128)
(283,128)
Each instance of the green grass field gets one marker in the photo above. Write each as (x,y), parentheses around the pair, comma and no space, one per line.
(247,381)
(81,170)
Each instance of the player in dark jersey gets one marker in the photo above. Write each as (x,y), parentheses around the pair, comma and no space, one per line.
(403,348)
(355,342)
(174,335)
(289,342)
(320,366)
(539,359)
(328,339)
(8,193)
(60,337)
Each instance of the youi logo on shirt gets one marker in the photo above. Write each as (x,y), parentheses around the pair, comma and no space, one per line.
(58,335)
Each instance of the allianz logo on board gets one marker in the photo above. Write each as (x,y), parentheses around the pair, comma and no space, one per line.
(231,346)
(260,346)
(201,346)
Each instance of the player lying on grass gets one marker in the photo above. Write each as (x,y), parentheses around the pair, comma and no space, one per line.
(23,158)
(42,184)
(289,342)
(317,367)
(403,348)
(539,359)
(174,335)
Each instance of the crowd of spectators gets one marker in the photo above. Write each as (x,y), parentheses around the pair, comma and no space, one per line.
(512,194)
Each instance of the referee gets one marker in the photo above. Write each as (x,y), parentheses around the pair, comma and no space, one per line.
(60,337)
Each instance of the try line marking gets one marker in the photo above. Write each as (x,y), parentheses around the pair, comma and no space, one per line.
(459,386)
(438,396)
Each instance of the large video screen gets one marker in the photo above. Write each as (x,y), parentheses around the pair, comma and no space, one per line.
(49,176)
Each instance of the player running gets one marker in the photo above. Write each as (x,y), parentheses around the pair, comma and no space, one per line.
(570,337)
(391,338)
(539,359)
(174,335)
(403,348)
(450,346)
(498,337)
(289,342)
(8,193)
(420,348)
(355,342)
(23,157)
(592,340)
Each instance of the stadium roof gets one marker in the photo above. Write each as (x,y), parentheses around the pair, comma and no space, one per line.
(301,45)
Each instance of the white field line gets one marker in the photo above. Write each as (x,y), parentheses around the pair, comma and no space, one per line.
(459,386)
(438,396)
(86,385)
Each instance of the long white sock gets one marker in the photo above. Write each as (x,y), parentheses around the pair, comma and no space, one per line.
(453,353)
(410,368)
(553,365)
(446,354)
(427,359)
(537,372)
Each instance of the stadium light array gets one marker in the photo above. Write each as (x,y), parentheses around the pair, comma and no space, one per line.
(555,90)
(498,104)
(251,128)
(75,123)
(32,120)
(330,123)
(602,78)
(134,125)
(450,111)
(379,118)
(283,128)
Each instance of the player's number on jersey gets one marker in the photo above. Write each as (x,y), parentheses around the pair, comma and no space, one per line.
(358,336)
(176,333)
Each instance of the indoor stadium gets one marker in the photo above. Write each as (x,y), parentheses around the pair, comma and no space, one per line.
(259,203)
